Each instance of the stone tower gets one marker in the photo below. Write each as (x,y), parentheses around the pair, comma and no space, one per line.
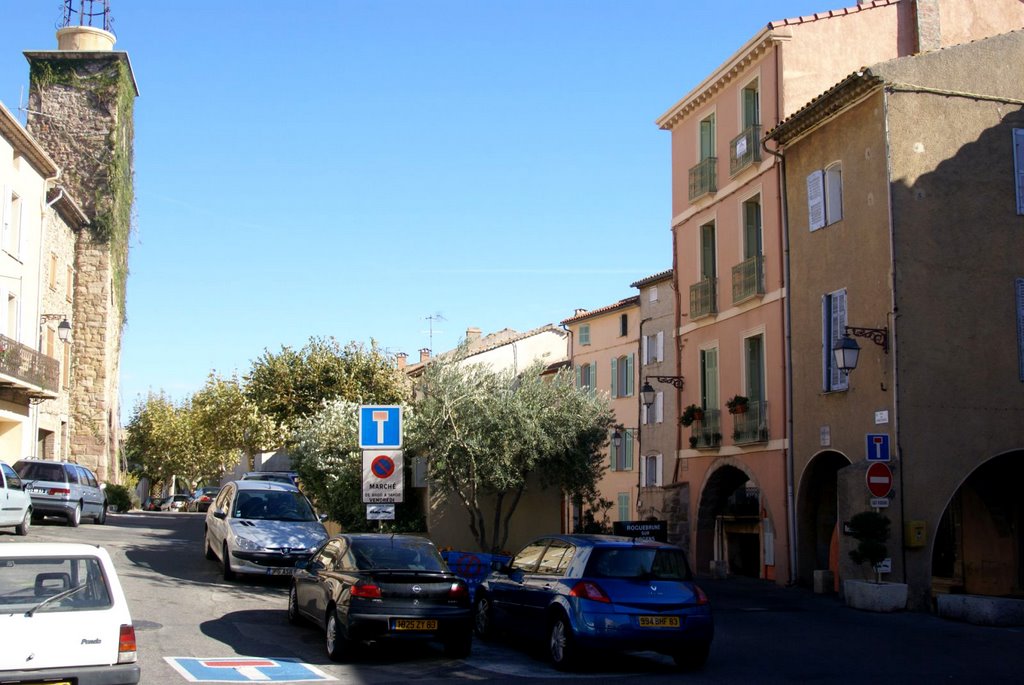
(81,102)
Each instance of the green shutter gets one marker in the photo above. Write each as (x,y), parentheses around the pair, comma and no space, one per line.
(615,377)
(750,107)
(707,251)
(627,443)
(611,455)
(629,376)
(751,229)
(579,376)
(593,377)
(707,138)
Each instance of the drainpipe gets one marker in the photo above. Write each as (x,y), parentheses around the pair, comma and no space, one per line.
(788,327)
(39,303)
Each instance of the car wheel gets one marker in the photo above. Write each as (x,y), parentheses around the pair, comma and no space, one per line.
(226,562)
(25,524)
(483,618)
(101,518)
(692,658)
(561,647)
(210,554)
(293,606)
(75,517)
(459,646)
(336,643)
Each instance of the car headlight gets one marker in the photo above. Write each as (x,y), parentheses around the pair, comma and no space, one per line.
(246,545)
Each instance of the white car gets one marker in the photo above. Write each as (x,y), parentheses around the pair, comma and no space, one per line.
(260,527)
(15,503)
(174,503)
(63,616)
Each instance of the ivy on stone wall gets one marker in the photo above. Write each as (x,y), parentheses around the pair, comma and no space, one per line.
(114,202)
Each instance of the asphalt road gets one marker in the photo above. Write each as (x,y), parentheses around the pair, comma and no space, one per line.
(764,634)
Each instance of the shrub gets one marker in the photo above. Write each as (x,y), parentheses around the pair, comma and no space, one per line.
(119,496)
(871,530)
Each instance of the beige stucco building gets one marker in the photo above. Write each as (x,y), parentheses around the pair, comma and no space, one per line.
(728,220)
(905,195)
(605,353)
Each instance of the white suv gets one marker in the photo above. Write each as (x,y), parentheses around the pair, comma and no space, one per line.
(15,504)
(64,616)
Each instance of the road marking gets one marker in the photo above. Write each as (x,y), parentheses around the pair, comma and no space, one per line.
(246,670)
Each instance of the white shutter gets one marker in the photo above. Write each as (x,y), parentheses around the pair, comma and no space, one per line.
(5,219)
(658,470)
(661,346)
(834,193)
(837,381)
(644,350)
(18,221)
(1018,166)
(659,407)
(815,200)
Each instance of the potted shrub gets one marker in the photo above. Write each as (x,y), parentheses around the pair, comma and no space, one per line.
(871,530)
(693,441)
(737,404)
(693,412)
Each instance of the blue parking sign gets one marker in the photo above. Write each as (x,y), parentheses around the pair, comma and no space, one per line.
(380,427)
(878,447)
(246,670)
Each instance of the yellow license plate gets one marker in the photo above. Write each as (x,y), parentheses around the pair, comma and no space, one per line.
(415,624)
(659,621)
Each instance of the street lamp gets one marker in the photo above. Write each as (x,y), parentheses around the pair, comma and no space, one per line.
(847,351)
(63,328)
(647,394)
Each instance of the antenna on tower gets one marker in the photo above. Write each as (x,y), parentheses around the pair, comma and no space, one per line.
(432,318)
(94,13)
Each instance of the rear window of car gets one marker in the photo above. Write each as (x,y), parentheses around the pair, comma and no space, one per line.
(638,562)
(74,584)
(33,470)
(396,554)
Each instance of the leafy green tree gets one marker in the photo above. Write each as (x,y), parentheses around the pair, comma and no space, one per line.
(292,384)
(325,453)
(160,438)
(487,433)
(228,423)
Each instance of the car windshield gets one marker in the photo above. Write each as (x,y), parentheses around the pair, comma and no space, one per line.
(638,562)
(26,583)
(396,554)
(30,470)
(273,505)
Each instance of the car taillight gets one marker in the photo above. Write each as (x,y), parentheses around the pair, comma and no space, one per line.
(458,591)
(126,650)
(701,597)
(366,591)
(59,491)
(588,590)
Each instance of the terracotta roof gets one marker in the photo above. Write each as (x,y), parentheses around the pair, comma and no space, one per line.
(505,336)
(852,88)
(67,208)
(818,16)
(655,278)
(627,302)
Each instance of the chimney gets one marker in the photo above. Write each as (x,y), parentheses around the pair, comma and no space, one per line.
(424,354)
(472,334)
(401,358)
(926,18)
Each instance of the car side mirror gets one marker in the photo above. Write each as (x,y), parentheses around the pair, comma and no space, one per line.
(220,514)
(499,566)
(322,517)
(103,486)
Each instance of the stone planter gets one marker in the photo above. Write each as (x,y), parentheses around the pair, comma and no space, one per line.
(868,595)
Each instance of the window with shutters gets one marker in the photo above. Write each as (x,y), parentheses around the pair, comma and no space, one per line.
(650,474)
(623,499)
(584,334)
(621,455)
(825,196)
(833,315)
(652,294)
(654,347)
(586,376)
(1018,167)
(622,376)
(655,413)
(10,234)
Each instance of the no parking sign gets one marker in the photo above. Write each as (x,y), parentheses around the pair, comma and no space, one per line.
(382,476)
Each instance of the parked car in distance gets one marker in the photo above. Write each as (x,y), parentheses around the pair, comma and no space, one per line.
(599,592)
(290,477)
(152,503)
(64,616)
(259,527)
(370,587)
(61,488)
(201,498)
(174,503)
(15,503)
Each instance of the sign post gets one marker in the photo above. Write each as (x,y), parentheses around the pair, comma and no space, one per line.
(380,438)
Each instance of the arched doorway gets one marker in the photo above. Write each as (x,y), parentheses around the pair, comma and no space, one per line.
(728,524)
(980,539)
(818,515)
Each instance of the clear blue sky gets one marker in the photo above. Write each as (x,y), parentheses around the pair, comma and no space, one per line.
(348,168)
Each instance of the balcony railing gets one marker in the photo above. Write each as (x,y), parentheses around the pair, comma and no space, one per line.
(745,149)
(703,178)
(34,370)
(751,425)
(748,279)
(703,299)
(706,432)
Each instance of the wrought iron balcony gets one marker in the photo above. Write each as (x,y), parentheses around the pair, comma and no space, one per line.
(748,279)
(703,178)
(745,149)
(706,432)
(27,370)
(703,299)
(752,424)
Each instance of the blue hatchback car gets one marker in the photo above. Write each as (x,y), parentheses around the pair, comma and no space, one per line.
(599,592)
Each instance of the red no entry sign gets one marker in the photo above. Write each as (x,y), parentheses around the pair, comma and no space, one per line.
(879,479)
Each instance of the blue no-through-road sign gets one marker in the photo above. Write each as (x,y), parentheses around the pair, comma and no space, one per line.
(878,447)
(380,427)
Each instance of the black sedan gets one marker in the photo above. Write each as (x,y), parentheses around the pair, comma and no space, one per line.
(361,587)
